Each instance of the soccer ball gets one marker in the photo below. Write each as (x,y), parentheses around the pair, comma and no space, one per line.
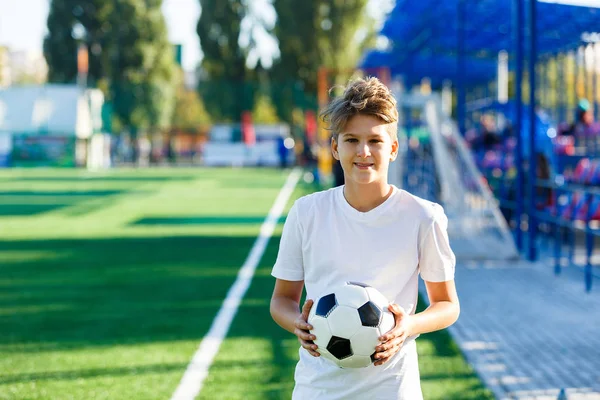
(348,322)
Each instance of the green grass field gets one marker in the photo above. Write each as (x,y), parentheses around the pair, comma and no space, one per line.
(108,282)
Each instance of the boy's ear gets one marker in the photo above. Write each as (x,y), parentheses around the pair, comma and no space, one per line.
(334,148)
(395,146)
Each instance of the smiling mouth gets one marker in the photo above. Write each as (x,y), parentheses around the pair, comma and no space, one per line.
(363,165)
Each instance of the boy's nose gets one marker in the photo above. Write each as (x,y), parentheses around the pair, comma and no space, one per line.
(363,151)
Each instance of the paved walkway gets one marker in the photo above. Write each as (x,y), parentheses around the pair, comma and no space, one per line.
(527,332)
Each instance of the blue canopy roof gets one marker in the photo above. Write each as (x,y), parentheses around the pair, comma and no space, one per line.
(430,27)
(437,67)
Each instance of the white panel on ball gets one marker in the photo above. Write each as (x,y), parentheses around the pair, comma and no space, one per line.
(387,322)
(355,362)
(320,330)
(364,341)
(376,297)
(312,312)
(344,322)
(351,295)
(327,355)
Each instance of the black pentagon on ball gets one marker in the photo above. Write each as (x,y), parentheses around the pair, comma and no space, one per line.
(363,285)
(370,314)
(325,305)
(339,347)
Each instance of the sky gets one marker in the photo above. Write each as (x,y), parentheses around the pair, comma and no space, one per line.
(23,26)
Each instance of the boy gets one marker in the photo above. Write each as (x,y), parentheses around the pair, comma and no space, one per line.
(366,231)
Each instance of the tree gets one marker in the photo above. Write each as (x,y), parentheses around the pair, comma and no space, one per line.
(347,31)
(190,113)
(142,65)
(70,18)
(60,47)
(264,111)
(330,33)
(130,56)
(224,88)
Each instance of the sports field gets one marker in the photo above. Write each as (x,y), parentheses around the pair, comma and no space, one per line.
(109,281)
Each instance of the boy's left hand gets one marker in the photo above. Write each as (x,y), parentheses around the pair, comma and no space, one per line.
(392,341)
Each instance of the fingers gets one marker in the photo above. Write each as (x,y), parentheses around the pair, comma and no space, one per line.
(302,332)
(304,335)
(313,353)
(301,324)
(310,347)
(302,327)
(384,356)
(398,329)
(396,309)
(306,308)
(390,344)
(306,341)
(397,332)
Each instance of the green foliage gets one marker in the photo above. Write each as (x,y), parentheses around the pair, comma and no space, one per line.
(297,30)
(325,33)
(311,34)
(264,111)
(346,31)
(60,47)
(225,99)
(224,62)
(129,55)
(190,113)
(142,65)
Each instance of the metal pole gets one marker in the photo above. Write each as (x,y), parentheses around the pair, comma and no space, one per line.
(585,72)
(542,71)
(561,88)
(460,67)
(518,125)
(595,79)
(568,73)
(577,69)
(531,209)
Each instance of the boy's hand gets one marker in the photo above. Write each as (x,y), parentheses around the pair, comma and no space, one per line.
(392,341)
(302,330)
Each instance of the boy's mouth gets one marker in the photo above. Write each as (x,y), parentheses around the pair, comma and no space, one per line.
(363,165)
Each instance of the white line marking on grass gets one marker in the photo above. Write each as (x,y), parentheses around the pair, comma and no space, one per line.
(197,370)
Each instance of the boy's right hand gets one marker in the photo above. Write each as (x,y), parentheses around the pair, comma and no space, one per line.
(302,330)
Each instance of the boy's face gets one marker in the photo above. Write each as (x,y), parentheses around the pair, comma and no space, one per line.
(365,149)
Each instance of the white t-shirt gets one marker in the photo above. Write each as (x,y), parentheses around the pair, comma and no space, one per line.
(326,242)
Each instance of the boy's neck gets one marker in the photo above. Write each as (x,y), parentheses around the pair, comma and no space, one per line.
(364,198)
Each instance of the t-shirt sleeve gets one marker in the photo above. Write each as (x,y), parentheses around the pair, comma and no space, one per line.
(436,258)
(289,265)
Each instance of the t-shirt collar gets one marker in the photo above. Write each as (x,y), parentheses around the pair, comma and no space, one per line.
(370,215)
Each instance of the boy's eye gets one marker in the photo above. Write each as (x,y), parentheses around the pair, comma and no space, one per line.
(351,140)
(375,141)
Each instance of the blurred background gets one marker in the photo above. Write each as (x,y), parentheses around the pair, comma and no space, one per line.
(146,146)
(162,77)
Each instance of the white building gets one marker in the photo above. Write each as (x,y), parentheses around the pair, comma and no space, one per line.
(49,124)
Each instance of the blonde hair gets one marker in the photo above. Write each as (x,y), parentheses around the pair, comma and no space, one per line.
(362,97)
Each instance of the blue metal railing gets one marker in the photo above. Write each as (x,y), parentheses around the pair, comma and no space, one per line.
(565,210)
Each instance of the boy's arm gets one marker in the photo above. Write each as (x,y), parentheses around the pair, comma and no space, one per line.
(285,303)
(285,310)
(443,309)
